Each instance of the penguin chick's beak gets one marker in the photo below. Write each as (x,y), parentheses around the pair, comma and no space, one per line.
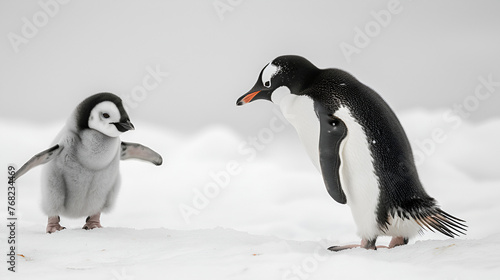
(124,126)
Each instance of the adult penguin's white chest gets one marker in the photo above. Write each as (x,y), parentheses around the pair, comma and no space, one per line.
(357,176)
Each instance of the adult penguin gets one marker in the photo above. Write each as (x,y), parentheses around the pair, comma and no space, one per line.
(354,138)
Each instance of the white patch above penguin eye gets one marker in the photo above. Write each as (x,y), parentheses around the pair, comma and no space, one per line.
(268,73)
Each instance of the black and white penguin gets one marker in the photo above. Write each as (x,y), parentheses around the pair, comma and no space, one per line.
(358,144)
(81,177)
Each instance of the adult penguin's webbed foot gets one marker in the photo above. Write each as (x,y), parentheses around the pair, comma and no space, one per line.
(365,243)
(370,244)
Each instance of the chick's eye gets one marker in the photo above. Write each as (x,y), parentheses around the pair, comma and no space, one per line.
(105,115)
(267,84)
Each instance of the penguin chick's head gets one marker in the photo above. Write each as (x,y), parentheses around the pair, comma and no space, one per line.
(290,71)
(103,112)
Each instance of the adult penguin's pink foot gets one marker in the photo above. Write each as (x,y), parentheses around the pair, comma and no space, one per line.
(370,244)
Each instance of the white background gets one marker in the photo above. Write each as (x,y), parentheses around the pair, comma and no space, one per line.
(273,219)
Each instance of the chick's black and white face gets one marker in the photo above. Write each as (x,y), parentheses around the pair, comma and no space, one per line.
(103,118)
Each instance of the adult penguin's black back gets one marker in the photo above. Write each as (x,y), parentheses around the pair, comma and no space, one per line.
(359,145)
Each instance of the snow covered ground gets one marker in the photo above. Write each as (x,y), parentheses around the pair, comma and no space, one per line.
(227,207)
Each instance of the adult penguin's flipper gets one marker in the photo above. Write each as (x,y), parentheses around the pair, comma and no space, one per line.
(138,151)
(38,159)
(332,132)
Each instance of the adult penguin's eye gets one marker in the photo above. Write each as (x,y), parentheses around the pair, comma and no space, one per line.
(105,115)
(268,73)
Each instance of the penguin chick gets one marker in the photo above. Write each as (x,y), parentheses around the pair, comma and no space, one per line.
(81,172)
(358,144)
